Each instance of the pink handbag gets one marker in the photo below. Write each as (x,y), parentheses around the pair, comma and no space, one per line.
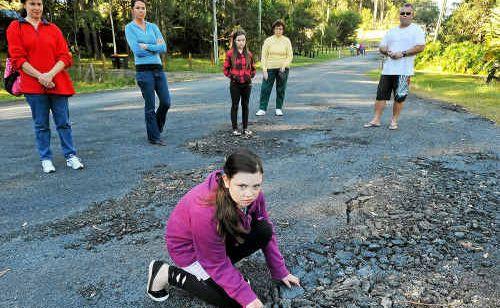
(12,78)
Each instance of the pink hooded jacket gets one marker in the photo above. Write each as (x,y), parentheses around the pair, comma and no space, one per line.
(191,235)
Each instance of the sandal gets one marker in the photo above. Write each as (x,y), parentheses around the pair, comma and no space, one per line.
(393,126)
(371,124)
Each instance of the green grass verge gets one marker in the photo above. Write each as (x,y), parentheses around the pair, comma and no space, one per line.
(88,87)
(175,64)
(205,65)
(467,91)
(82,87)
(6,97)
(299,61)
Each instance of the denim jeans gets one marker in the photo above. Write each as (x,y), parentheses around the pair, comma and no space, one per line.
(152,81)
(41,105)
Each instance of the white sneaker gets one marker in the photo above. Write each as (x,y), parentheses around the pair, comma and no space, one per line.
(279,112)
(154,269)
(74,162)
(48,166)
(260,112)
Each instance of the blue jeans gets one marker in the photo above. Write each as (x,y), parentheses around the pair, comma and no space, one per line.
(41,105)
(152,81)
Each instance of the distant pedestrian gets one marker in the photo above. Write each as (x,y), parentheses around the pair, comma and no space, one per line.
(400,44)
(239,67)
(215,225)
(41,55)
(277,55)
(362,49)
(146,42)
(352,49)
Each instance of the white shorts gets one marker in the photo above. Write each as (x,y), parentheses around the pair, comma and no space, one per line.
(197,270)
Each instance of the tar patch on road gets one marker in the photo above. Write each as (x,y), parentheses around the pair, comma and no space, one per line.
(143,209)
(271,139)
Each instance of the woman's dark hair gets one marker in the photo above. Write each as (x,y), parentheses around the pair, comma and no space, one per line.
(132,3)
(234,35)
(278,23)
(226,213)
(23,11)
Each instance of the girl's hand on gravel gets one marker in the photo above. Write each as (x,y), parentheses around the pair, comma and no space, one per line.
(291,279)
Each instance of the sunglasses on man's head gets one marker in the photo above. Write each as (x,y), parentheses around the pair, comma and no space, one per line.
(405,13)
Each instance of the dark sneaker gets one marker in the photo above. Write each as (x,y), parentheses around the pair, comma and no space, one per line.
(154,268)
(158,142)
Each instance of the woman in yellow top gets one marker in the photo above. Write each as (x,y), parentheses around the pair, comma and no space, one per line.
(277,54)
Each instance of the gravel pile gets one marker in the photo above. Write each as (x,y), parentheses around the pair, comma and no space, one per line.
(426,236)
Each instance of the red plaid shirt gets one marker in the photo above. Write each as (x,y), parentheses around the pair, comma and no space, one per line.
(238,71)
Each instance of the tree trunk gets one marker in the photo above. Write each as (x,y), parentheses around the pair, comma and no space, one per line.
(97,51)
(82,7)
(375,10)
(86,36)
(93,33)
(382,8)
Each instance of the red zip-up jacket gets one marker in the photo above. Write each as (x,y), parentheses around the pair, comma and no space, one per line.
(42,48)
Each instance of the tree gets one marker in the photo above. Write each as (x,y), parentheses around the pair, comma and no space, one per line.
(469,22)
(426,13)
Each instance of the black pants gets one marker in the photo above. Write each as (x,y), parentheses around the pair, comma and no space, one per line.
(207,290)
(240,91)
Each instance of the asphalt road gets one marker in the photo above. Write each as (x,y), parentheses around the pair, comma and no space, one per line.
(327,152)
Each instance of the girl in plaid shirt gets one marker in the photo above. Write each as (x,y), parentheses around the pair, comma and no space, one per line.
(240,68)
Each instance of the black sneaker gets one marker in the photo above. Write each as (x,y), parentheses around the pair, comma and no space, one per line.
(158,142)
(154,268)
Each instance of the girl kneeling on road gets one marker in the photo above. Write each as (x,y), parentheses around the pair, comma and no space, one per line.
(216,224)
(240,68)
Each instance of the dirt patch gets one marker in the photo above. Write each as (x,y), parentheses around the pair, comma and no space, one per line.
(342,142)
(143,209)
(267,139)
(271,139)
(454,107)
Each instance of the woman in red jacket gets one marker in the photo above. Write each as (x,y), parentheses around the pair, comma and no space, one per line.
(40,53)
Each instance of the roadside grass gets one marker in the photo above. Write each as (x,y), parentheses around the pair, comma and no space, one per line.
(470,92)
(109,79)
(201,65)
(109,83)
